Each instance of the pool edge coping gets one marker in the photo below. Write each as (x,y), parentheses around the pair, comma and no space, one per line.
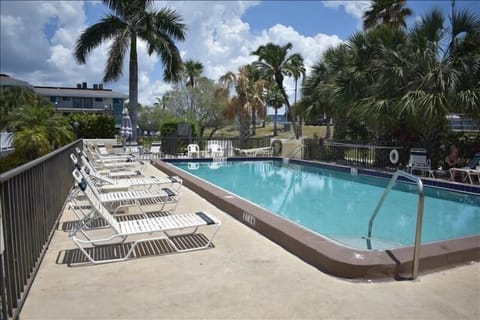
(323,253)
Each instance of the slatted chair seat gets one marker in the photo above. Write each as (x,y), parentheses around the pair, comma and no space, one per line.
(81,233)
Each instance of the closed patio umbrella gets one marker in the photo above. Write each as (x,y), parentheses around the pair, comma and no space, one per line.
(126,129)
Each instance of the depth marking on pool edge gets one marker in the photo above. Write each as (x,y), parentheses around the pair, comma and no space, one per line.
(248,218)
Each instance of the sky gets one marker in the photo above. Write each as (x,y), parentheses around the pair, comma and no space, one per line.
(37,37)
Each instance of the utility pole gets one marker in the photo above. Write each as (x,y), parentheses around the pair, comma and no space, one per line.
(452,19)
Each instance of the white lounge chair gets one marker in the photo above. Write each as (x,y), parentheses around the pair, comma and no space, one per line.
(193,151)
(172,181)
(119,199)
(148,229)
(112,172)
(102,149)
(418,161)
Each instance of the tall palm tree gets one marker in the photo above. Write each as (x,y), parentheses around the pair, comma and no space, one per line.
(192,70)
(392,12)
(274,99)
(134,19)
(298,71)
(274,64)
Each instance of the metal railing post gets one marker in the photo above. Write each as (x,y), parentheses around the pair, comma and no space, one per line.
(418,228)
(3,294)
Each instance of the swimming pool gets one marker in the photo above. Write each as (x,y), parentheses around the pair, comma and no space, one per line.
(321,215)
(339,205)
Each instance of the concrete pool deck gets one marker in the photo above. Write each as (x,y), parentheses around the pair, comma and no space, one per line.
(244,276)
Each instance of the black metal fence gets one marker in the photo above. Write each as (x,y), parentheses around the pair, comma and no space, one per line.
(32,197)
(178,145)
(368,155)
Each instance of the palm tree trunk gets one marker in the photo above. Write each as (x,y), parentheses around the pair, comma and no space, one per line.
(291,112)
(295,102)
(254,121)
(191,98)
(275,123)
(133,85)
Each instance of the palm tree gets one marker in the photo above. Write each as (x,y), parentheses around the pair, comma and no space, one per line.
(12,98)
(38,130)
(132,20)
(247,97)
(298,70)
(192,70)
(274,99)
(392,12)
(273,64)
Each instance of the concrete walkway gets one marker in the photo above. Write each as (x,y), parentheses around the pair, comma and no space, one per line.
(245,276)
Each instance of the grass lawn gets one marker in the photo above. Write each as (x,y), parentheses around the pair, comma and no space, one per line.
(308,131)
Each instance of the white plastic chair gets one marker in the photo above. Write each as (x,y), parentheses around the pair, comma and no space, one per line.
(215,151)
(193,151)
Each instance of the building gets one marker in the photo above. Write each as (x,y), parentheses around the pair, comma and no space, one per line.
(83,99)
(77,99)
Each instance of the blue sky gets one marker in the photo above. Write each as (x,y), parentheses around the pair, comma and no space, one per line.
(37,37)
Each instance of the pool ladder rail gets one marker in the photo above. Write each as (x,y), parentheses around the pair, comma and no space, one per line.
(418,231)
(295,150)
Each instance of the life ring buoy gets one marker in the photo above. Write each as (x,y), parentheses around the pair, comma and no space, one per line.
(277,148)
(394,156)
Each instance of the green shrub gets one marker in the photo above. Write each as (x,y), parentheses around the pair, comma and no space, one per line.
(13,160)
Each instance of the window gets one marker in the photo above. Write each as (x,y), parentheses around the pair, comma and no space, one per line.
(77,103)
(98,99)
(65,98)
(53,99)
(88,103)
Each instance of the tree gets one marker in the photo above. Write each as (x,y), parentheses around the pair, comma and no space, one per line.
(389,80)
(248,95)
(209,104)
(12,98)
(391,12)
(297,71)
(38,130)
(274,99)
(273,64)
(132,20)
(192,70)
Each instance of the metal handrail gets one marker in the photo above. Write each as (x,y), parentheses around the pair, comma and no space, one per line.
(418,231)
(295,150)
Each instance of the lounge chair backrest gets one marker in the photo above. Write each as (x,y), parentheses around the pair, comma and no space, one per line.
(155,148)
(475,161)
(101,149)
(92,171)
(418,157)
(193,148)
(95,202)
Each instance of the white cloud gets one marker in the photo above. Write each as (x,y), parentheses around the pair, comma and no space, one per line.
(217,36)
(354,8)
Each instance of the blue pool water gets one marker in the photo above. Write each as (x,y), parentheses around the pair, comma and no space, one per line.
(339,205)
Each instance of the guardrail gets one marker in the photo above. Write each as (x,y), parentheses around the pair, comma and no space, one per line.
(32,197)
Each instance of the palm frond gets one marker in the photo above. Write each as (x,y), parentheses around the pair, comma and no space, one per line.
(94,35)
(116,54)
